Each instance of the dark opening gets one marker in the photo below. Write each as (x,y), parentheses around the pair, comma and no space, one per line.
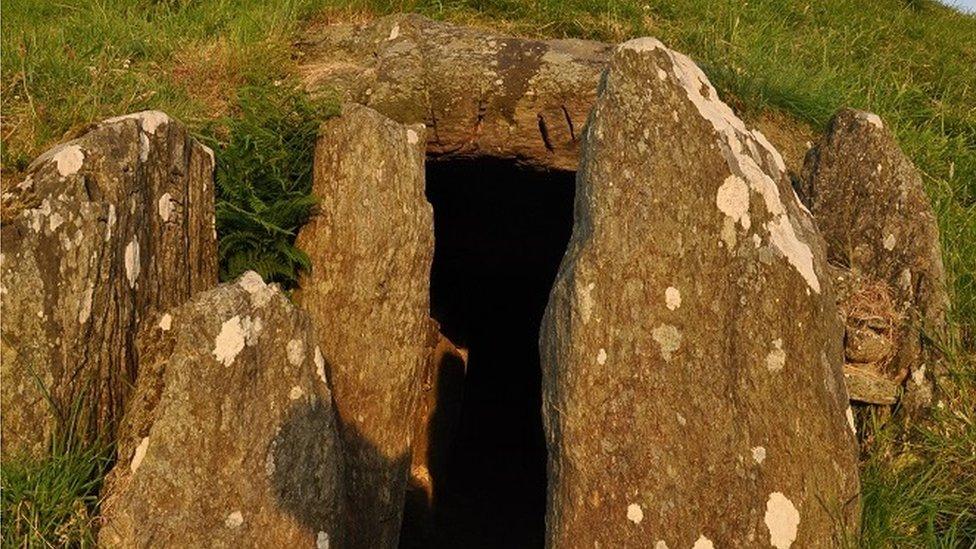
(500,233)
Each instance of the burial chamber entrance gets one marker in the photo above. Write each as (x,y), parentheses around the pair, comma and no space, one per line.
(500,234)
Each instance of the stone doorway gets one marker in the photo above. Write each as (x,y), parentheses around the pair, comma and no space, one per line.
(500,233)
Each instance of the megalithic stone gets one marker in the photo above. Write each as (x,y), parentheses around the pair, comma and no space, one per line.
(692,385)
(870,204)
(105,230)
(230,437)
(371,248)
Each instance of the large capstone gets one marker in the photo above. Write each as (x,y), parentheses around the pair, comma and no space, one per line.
(479,93)
(870,204)
(371,249)
(230,437)
(691,350)
(104,231)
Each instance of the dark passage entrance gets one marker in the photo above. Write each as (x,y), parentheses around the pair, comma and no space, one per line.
(500,233)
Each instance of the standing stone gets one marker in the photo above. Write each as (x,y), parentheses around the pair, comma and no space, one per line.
(691,350)
(479,93)
(371,249)
(870,205)
(230,438)
(111,227)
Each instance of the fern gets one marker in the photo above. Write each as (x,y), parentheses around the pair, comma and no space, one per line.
(264,180)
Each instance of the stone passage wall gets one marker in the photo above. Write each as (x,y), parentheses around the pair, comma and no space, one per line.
(479,93)
(115,225)
(368,294)
(691,350)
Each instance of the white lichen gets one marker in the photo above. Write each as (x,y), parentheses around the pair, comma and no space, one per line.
(234,520)
(634,513)
(69,160)
(672,298)
(412,137)
(139,454)
(703,543)
(394,32)
(132,263)
(669,339)
(782,520)
(260,292)
(230,341)
(320,365)
(776,358)
(732,200)
(758,454)
(889,242)
(85,306)
(295,351)
(601,356)
(296,393)
(850,420)
(322,540)
(165,206)
(585,297)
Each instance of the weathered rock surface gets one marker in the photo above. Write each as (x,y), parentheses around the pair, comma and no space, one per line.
(437,417)
(691,348)
(870,205)
(479,93)
(115,225)
(230,438)
(371,248)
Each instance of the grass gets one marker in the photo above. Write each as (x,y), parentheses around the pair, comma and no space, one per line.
(226,68)
(52,500)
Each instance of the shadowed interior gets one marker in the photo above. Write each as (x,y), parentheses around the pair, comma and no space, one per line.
(500,233)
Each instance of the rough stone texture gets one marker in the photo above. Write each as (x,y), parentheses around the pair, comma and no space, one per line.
(114,225)
(480,94)
(691,349)
(871,207)
(437,417)
(371,249)
(230,438)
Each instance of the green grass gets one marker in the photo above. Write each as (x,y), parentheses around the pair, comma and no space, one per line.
(52,500)
(226,69)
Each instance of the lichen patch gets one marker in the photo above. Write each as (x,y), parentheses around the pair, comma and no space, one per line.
(320,365)
(165,206)
(234,520)
(758,454)
(634,513)
(132,264)
(230,341)
(782,520)
(776,358)
(850,420)
(672,298)
(703,543)
(296,352)
(732,200)
(69,160)
(321,540)
(797,253)
(84,310)
(139,454)
(669,339)
(166,322)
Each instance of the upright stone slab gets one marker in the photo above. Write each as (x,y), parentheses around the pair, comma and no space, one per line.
(371,248)
(104,230)
(691,350)
(480,93)
(230,438)
(871,206)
